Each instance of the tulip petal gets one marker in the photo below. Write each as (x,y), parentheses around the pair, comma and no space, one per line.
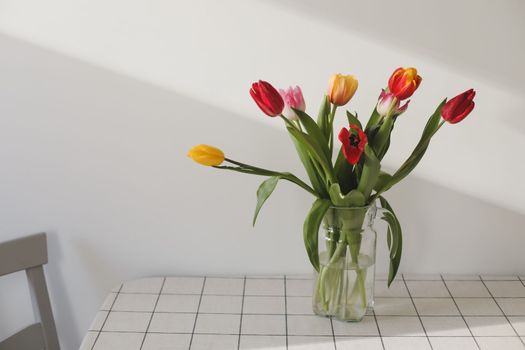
(457,108)
(267,98)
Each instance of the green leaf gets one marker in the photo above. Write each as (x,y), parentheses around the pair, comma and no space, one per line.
(314,131)
(352,199)
(394,238)
(343,171)
(311,229)
(352,119)
(370,172)
(373,120)
(385,149)
(406,168)
(322,117)
(382,138)
(263,192)
(316,179)
(316,152)
(382,179)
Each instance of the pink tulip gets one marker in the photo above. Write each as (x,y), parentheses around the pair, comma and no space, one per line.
(293,98)
(388,104)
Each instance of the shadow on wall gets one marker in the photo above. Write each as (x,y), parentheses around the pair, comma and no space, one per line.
(98,159)
(440,31)
(445,230)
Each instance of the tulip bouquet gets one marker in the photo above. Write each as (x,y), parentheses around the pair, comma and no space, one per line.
(351,179)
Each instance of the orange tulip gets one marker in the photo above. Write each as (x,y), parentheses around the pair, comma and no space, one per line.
(341,88)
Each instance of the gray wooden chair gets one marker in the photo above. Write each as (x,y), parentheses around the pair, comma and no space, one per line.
(29,254)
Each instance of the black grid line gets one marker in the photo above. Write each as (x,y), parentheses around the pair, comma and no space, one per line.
(503,312)
(106,318)
(153,313)
(197,313)
(303,296)
(286,312)
(488,279)
(242,309)
(96,332)
(309,314)
(315,335)
(378,329)
(417,312)
(462,317)
(264,314)
(333,332)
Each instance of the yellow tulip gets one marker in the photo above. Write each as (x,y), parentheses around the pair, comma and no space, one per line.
(206,155)
(341,88)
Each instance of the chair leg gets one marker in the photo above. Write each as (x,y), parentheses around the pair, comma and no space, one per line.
(42,306)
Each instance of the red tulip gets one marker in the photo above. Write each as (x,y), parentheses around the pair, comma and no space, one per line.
(354,142)
(457,108)
(403,82)
(267,98)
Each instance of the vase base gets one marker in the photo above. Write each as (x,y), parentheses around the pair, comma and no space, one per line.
(347,315)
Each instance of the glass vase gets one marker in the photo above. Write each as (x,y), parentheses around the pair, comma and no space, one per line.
(344,287)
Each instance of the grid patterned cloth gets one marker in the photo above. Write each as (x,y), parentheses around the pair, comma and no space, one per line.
(274,312)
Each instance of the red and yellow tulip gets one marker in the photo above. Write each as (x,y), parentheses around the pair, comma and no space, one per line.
(403,82)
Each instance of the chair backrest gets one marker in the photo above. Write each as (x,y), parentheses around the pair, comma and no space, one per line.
(30,254)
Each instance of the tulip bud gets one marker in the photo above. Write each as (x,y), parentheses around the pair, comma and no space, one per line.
(206,155)
(389,105)
(403,82)
(267,98)
(341,88)
(293,98)
(457,108)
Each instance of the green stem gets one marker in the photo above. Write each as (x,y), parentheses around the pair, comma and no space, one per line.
(326,271)
(359,286)
(249,169)
(331,118)
(420,143)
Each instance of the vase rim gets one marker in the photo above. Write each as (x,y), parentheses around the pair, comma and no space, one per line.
(355,208)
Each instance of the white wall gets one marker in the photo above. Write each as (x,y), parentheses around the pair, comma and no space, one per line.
(100,100)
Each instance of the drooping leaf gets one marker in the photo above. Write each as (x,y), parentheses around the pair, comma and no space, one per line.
(263,192)
(394,238)
(406,168)
(311,229)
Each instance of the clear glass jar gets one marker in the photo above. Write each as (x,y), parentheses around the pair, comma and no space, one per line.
(344,287)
